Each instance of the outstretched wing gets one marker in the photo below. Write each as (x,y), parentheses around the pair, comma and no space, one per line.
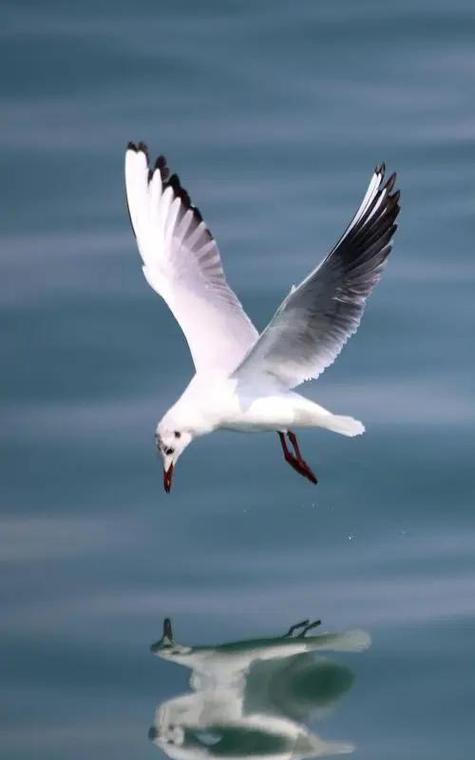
(316,319)
(181,262)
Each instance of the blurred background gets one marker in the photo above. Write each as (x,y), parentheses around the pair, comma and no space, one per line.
(273,114)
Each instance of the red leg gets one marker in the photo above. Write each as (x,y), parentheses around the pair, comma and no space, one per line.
(306,471)
(288,456)
(296,461)
(295,444)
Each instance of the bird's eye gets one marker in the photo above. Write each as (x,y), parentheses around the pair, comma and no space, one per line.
(169,451)
(177,434)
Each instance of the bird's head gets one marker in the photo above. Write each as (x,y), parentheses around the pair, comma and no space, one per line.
(171,441)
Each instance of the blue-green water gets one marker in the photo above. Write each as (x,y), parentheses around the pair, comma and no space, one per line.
(274,114)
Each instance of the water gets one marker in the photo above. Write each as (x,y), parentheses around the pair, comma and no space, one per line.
(274,115)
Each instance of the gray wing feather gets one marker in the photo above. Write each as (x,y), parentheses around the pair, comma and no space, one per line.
(316,319)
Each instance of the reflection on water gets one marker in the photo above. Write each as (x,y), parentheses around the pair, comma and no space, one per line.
(255,697)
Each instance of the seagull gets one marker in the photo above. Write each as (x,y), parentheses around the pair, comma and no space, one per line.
(263,692)
(244,381)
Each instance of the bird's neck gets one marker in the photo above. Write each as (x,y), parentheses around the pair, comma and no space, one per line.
(199,408)
(191,411)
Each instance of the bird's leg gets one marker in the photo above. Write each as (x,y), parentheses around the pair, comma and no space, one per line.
(295,444)
(295,627)
(288,456)
(297,464)
(309,628)
(305,469)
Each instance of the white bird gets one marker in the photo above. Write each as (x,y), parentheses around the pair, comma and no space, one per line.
(254,698)
(244,381)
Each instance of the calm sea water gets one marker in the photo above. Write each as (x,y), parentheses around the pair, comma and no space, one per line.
(274,114)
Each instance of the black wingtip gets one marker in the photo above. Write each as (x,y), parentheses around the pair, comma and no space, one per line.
(390,182)
(380,169)
(142,148)
(185,198)
(198,215)
(132,146)
(161,165)
(174,183)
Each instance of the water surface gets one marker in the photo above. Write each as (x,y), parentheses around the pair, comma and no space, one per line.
(274,115)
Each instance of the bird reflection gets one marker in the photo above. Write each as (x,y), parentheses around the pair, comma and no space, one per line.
(255,698)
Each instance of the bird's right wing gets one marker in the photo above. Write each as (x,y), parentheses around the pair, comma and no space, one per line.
(313,323)
(181,262)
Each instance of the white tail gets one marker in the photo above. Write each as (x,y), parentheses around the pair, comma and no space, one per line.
(344,425)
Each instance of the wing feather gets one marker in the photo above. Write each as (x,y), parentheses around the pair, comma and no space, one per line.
(316,319)
(181,262)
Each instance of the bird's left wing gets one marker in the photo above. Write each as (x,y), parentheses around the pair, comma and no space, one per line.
(313,323)
(181,262)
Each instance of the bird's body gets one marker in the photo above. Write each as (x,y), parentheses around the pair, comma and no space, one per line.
(245,381)
(218,403)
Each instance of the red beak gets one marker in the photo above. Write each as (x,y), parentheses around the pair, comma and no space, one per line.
(167,478)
